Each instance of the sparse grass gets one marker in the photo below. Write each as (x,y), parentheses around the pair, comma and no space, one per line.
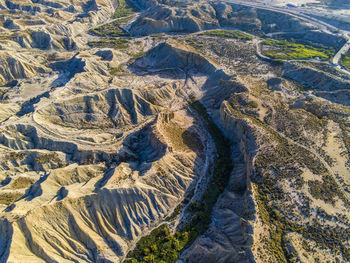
(138,54)
(163,246)
(289,50)
(276,228)
(16,156)
(279,226)
(228,34)
(190,41)
(345,60)
(117,70)
(8,198)
(313,123)
(176,212)
(326,190)
(182,139)
(47,158)
(103,32)
(118,43)
(158,36)
(22,182)
(276,165)
(346,139)
(111,30)
(52,57)
(125,8)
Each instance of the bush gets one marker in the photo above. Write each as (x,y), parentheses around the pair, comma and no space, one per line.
(110,30)
(345,60)
(47,158)
(159,246)
(228,34)
(119,43)
(117,70)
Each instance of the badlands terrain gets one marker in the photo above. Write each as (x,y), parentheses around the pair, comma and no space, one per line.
(174,131)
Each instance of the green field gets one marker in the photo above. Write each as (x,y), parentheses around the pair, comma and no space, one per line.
(289,50)
(228,34)
(345,60)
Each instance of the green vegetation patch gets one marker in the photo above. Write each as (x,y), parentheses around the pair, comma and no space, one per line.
(119,43)
(125,8)
(117,70)
(138,54)
(279,226)
(346,139)
(111,30)
(289,50)
(163,246)
(159,246)
(228,34)
(345,60)
(326,190)
(176,212)
(182,139)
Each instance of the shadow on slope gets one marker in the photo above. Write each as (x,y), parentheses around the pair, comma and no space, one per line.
(67,69)
(140,150)
(177,59)
(6,233)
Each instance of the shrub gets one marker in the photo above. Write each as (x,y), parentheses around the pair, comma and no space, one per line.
(228,34)
(119,43)
(345,60)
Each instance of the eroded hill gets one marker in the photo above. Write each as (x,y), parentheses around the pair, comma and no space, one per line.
(157,131)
